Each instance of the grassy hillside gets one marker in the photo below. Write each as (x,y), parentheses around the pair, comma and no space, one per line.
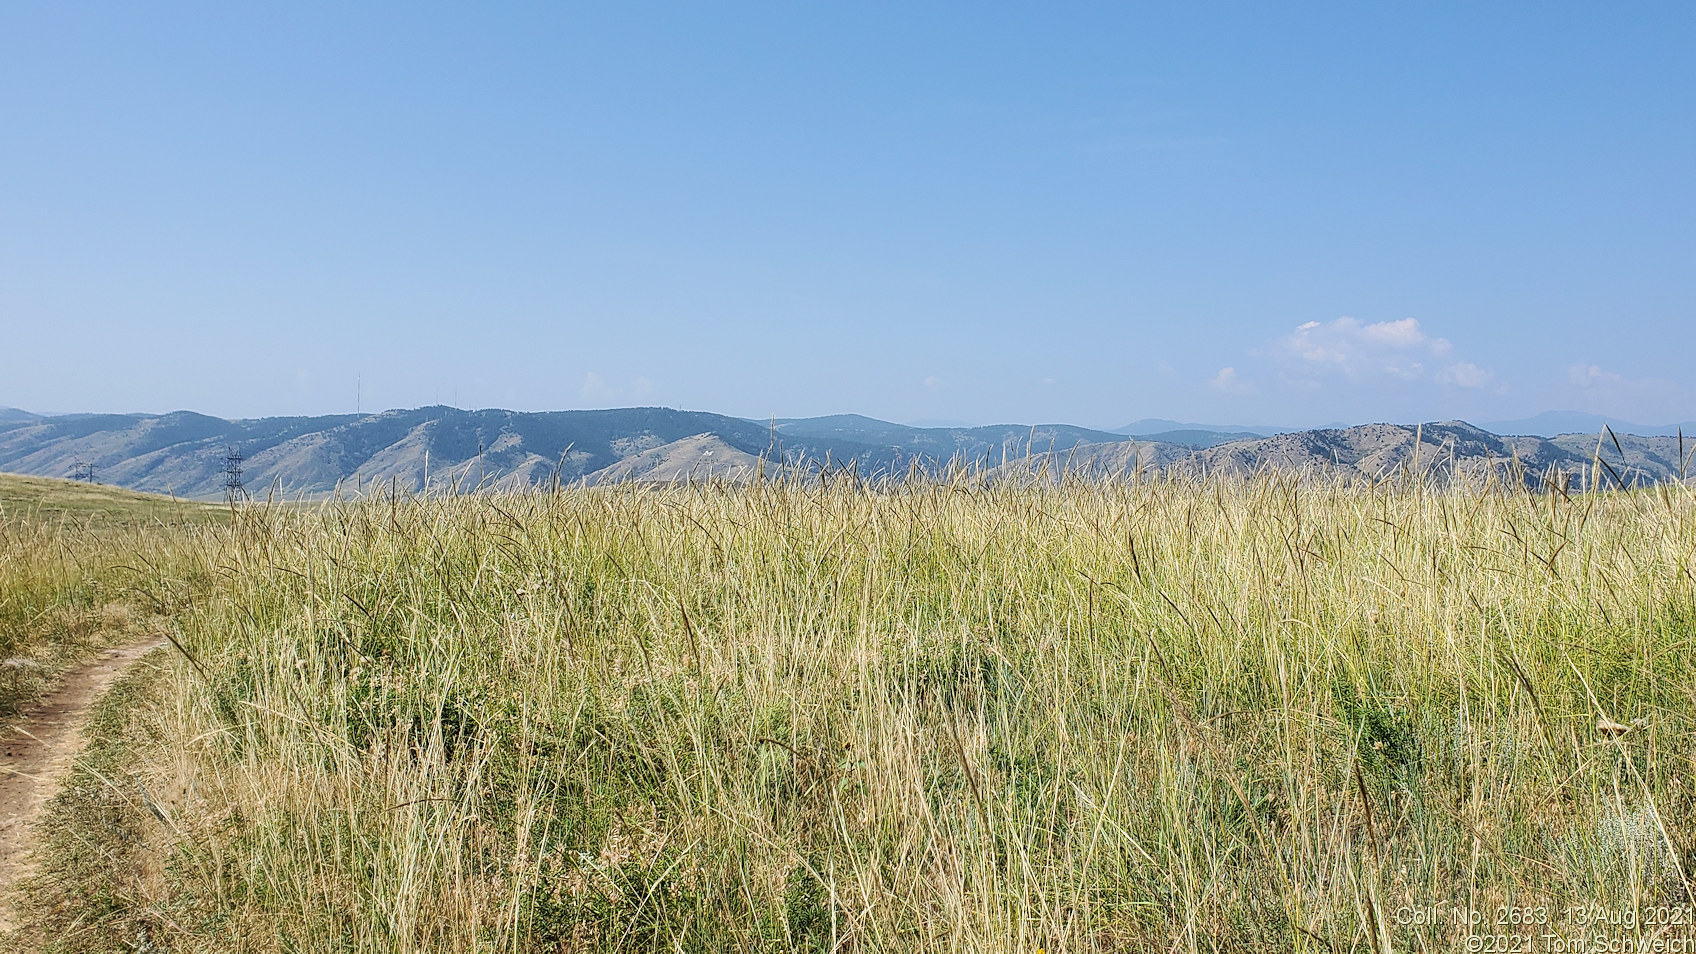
(26,498)
(84,566)
(1180,715)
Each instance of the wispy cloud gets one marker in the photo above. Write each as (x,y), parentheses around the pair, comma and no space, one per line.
(1228,381)
(601,391)
(1465,374)
(1360,353)
(1648,400)
(1592,376)
(594,388)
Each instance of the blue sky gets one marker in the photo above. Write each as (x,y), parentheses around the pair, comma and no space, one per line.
(1032,212)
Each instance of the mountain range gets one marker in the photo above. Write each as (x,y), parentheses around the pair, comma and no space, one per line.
(1554,423)
(1440,452)
(190,455)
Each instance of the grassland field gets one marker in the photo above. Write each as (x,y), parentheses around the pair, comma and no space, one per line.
(1174,715)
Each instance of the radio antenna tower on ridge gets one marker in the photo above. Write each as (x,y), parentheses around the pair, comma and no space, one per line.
(233,488)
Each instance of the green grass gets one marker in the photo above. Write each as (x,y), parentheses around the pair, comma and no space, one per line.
(1185,715)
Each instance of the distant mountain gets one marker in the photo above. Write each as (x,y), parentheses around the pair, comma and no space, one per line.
(1440,452)
(1198,438)
(1149,427)
(992,443)
(1457,449)
(701,457)
(442,447)
(1556,423)
(184,453)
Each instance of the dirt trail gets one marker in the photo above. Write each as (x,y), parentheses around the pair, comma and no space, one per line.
(37,749)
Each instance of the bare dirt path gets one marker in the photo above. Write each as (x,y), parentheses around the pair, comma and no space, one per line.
(36,750)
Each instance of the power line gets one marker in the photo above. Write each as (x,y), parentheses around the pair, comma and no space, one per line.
(233,488)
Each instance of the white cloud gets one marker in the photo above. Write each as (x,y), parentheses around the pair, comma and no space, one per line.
(1405,333)
(1228,381)
(1359,353)
(594,389)
(1465,374)
(1646,400)
(1592,376)
(933,383)
(598,389)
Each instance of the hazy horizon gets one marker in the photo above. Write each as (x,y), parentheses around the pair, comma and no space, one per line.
(1546,423)
(1091,215)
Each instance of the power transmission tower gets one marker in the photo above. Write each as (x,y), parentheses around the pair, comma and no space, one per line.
(233,488)
(84,471)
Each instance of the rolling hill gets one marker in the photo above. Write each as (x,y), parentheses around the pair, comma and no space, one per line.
(183,453)
(1441,452)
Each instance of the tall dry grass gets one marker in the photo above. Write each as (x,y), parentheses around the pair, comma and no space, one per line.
(74,579)
(1175,715)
